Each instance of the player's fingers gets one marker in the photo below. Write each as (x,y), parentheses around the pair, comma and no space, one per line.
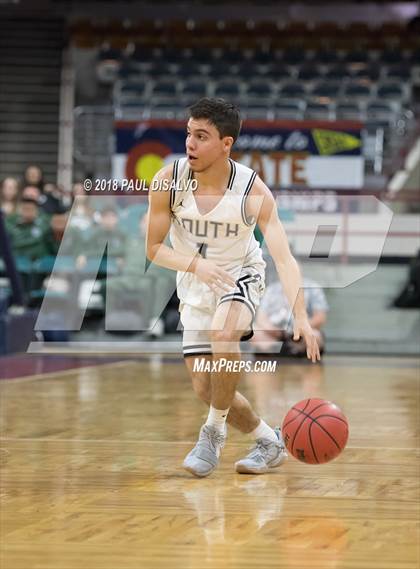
(220,290)
(223,286)
(215,288)
(309,346)
(314,351)
(226,277)
(218,286)
(311,356)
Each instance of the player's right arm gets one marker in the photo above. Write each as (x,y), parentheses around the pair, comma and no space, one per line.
(159,222)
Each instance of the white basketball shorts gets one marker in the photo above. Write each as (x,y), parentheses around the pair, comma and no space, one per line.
(197,318)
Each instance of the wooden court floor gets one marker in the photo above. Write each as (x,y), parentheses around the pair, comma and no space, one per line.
(91,473)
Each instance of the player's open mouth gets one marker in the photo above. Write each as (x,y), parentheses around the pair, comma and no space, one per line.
(191,157)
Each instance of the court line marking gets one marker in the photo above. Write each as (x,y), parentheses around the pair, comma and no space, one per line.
(148,442)
(47,375)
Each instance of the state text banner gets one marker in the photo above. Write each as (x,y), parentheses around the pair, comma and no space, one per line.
(286,154)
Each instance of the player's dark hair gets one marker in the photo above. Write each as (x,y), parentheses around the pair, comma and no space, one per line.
(223,115)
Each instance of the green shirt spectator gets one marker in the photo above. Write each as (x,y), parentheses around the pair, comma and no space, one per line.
(30,231)
(106,233)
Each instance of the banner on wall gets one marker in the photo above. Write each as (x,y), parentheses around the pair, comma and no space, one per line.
(311,154)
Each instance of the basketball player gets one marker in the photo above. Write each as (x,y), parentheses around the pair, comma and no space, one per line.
(210,219)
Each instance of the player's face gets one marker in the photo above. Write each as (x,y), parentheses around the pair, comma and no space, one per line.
(204,145)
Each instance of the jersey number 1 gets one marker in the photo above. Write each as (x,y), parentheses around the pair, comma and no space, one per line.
(202,249)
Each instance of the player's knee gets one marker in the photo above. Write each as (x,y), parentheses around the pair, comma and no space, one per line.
(225,338)
(202,388)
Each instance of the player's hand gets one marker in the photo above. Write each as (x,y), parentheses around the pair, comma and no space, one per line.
(302,329)
(219,280)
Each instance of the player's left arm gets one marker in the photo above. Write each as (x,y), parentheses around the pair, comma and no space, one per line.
(262,207)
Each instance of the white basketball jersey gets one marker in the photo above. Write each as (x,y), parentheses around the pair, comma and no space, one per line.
(224,234)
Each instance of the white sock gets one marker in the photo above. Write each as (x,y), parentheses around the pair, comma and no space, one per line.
(217,419)
(264,431)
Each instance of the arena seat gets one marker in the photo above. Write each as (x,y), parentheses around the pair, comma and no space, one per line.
(190,70)
(357,57)
(227,88)
(371,72)
(258,89)
(220,69)
(309,72)
(391,56)
(349,110)
(402,71)
(257,111)
(194,88)
(166,110)
(232,56)
(293,90)
(292,109)
(131,91)
(164,88)
(293,56)
(338,73)
(160,69)
(278,72)
(357,90)
(326,56)
(248,70)
(391,91)
(329,89)
(381,111)
(319,111)
(262,57)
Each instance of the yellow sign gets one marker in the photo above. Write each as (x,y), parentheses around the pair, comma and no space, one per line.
(147,166)
(332,142)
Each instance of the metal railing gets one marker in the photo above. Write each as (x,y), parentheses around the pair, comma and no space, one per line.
(93,138)
(94,146)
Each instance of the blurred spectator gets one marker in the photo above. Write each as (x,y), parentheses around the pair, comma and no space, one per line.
(33,193)
(76,224)
(107,233)
(30,232)
(33,176)
(148,292)
(52,202)
(48,203)
(274,320)
(81,215)
(9,195)
(30,192)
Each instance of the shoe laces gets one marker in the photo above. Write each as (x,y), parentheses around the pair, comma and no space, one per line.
(212,436)
(260,449)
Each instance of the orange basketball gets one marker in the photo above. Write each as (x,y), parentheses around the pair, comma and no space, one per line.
(315,431)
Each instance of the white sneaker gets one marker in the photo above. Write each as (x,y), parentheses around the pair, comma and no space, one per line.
(265,455)
(204,457)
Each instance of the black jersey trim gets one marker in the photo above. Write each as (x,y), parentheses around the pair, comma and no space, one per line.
(247,221)
(232,174)
(196,354)
(195,346)
(238,298)
(174,182)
